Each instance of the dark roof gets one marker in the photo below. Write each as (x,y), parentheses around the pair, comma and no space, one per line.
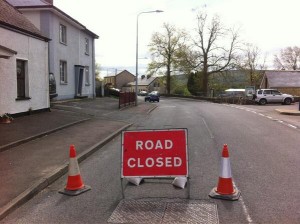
(124,71)
(28,2)
(42,4)
(11,18)
(283,78)
(144,82)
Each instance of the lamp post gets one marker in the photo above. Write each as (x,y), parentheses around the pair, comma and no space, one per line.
(137,52)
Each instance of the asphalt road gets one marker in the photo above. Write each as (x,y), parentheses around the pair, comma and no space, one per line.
(264,158)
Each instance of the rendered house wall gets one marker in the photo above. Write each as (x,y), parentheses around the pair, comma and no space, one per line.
(35,52)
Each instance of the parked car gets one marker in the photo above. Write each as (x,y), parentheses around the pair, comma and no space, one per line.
(156,92)
(152,97)
(264,96)
(52,86)
(142,93)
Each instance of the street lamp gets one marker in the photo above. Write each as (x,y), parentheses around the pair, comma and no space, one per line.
(137,52)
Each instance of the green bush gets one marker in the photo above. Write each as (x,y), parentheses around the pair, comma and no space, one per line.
(182,90)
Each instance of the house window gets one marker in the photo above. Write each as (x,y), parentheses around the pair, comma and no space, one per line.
(87,51)
(62,34)
(87,76)
(63,72)
(21,79)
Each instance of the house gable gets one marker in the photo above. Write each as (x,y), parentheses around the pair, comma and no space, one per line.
(71,49)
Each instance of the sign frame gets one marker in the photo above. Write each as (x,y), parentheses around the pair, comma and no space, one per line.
(148,132)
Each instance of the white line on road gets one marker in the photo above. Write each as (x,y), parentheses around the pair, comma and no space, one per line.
(292,126)
(211,135)
(245,209)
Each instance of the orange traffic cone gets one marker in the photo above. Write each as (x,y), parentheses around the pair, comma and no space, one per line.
(225,189)
(75,184)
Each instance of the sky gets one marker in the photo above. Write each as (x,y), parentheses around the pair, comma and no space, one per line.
(269,24)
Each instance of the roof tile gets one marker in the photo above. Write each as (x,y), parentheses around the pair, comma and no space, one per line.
(13,18)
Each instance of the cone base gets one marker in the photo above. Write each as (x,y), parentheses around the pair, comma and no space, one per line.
(230,197)
(75,192)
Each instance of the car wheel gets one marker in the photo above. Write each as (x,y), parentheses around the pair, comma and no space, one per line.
(287,101)
(263,102)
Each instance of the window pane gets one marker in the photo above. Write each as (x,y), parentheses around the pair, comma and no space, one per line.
(63,71)
(20,78)
(87,75)
(62,34)
(86,45)
(275,92)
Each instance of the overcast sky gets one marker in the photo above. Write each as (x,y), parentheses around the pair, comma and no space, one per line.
(270,24)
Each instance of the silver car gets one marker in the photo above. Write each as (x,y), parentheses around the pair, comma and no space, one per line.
(264,96)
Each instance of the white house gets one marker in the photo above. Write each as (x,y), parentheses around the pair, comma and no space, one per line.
(71,49)
(24,83)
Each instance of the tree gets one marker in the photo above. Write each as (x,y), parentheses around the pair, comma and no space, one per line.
(252,63)
(288,59)
(97,71)
(164,49)
(194,83)
(214,49)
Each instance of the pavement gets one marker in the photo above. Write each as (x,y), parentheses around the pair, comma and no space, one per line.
(34,149)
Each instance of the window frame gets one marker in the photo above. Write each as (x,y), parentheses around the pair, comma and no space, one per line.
(63,78)
(62,34)
(87,46)
(87,75)
(22,91)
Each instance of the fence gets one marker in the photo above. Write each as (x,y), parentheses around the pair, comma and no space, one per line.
(126,99)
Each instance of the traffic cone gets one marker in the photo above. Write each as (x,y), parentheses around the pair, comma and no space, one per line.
(75,185)
(225,189)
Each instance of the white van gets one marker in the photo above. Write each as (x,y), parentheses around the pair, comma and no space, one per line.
(233,93)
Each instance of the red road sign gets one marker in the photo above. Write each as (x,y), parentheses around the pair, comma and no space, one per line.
(154,153)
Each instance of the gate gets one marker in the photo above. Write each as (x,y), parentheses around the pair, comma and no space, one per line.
(126,99)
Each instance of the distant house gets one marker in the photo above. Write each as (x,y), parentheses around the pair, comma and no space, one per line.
(284,81)
(24,82)
(145,84)
(71,49)
(119,80)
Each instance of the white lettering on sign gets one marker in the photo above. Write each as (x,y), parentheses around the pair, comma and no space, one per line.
(149,144)
(158,162)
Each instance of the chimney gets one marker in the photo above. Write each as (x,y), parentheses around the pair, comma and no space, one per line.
(49,1)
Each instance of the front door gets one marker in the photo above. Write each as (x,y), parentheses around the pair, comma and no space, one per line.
(79,71)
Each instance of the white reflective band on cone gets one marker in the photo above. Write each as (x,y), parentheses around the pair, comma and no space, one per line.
(225,171)
(73,167)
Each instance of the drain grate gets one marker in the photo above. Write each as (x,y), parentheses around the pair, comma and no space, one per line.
(137,211)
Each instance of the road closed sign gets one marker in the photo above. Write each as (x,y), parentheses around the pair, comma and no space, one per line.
(154,153)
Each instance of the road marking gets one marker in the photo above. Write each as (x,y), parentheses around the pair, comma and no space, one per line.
(292,126)
(263,115)
(245,209)
(211,135)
